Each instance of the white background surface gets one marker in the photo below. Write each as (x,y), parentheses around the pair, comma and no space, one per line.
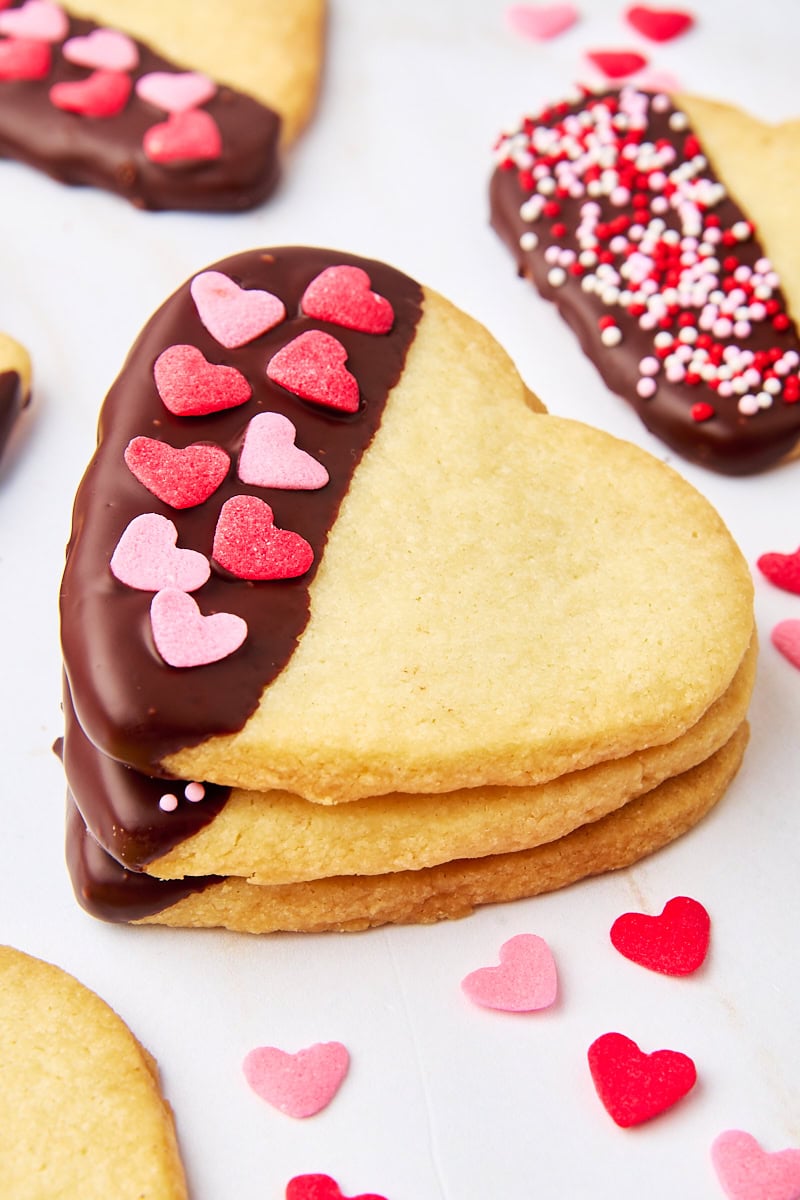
(444,1101)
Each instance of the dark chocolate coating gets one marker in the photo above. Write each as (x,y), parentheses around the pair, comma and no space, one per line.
(729,442)
(106,152)
(13,398)
(130,703)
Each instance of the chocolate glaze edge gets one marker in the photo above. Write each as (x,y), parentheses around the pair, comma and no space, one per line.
(13,399)
(748,446)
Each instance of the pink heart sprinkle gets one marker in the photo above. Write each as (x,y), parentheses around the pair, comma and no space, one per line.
(300,1084)
(746,1172)
(659,24)
(175,91)
(147,557)
(617,64)
(248,543)
(190,386)
(321,1187)
(526,979)
(36,19)
(541,21)
(652,80)
(186,638)
(786,638)
(181,477)
(102,49)
(101,94)
(231,314)
(312,366)
(24,58)
(192,136)
(270,458)
(343,295)
(674,943)
(782,569)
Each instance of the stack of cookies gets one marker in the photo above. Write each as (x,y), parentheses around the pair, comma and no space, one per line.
(355,632)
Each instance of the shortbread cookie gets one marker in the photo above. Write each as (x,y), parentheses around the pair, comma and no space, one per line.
(472,598)
(15,384)
(664,230)
(174,829)
(432,894)
(81,1107)
(156,101)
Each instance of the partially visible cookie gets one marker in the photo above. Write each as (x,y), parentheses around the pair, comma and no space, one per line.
(664,229)
(15,384)
(171,106)
(80,1105)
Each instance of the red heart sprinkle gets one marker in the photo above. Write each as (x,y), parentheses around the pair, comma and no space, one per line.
(101,94)
(343,295)
(312,366)
(191,136)
(181,478)
(321,1187)
(24,58)
(782,569)
(248,543)
(617,64)
(633,1086)
(674,943)
(659,24)
(191,386)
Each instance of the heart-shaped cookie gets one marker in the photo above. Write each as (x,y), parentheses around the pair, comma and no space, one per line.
(748,1172)
(184,637)
(231,314)
(248,543)
(299,1084)
(270,458)
(147,558)
(182,477)
(191,386)
(191,136)
(312,366)
(102,50)
(634,1086)
(102,94)
(674,943)
(525,980)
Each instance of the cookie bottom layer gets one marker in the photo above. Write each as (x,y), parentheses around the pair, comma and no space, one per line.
(453,889)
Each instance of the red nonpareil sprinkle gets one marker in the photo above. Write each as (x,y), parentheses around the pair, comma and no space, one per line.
(702,411)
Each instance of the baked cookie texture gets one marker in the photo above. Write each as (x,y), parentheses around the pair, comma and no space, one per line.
(463,640)
(151,102)
(15,385)
(82,1110)
(663,229)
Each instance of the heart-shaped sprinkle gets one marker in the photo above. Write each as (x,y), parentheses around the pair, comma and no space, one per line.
(321,1187)
(674,943)
(186,638)
(102,50)
(782,569)
(181,477)
(147,557)
(617,64)
(525,981)
(101,94)
(541,21)
(343,295)
(659,24)
(312,366)
(24,58)
(234,315)
(248,543)
(270,458)
(36,19)
(192,136)
(175,91)
(633,1086)
(656,80)
(191,386)
(786,638)
(300,1084)
(746,1172)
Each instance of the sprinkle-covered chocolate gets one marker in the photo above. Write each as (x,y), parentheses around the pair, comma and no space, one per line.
(611,207)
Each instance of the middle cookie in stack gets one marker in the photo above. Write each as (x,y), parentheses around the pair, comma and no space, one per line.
(475,652)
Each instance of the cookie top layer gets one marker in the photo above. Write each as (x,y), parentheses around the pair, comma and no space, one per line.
(88,104)
(81,1124)
(623,217)
(491,607)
